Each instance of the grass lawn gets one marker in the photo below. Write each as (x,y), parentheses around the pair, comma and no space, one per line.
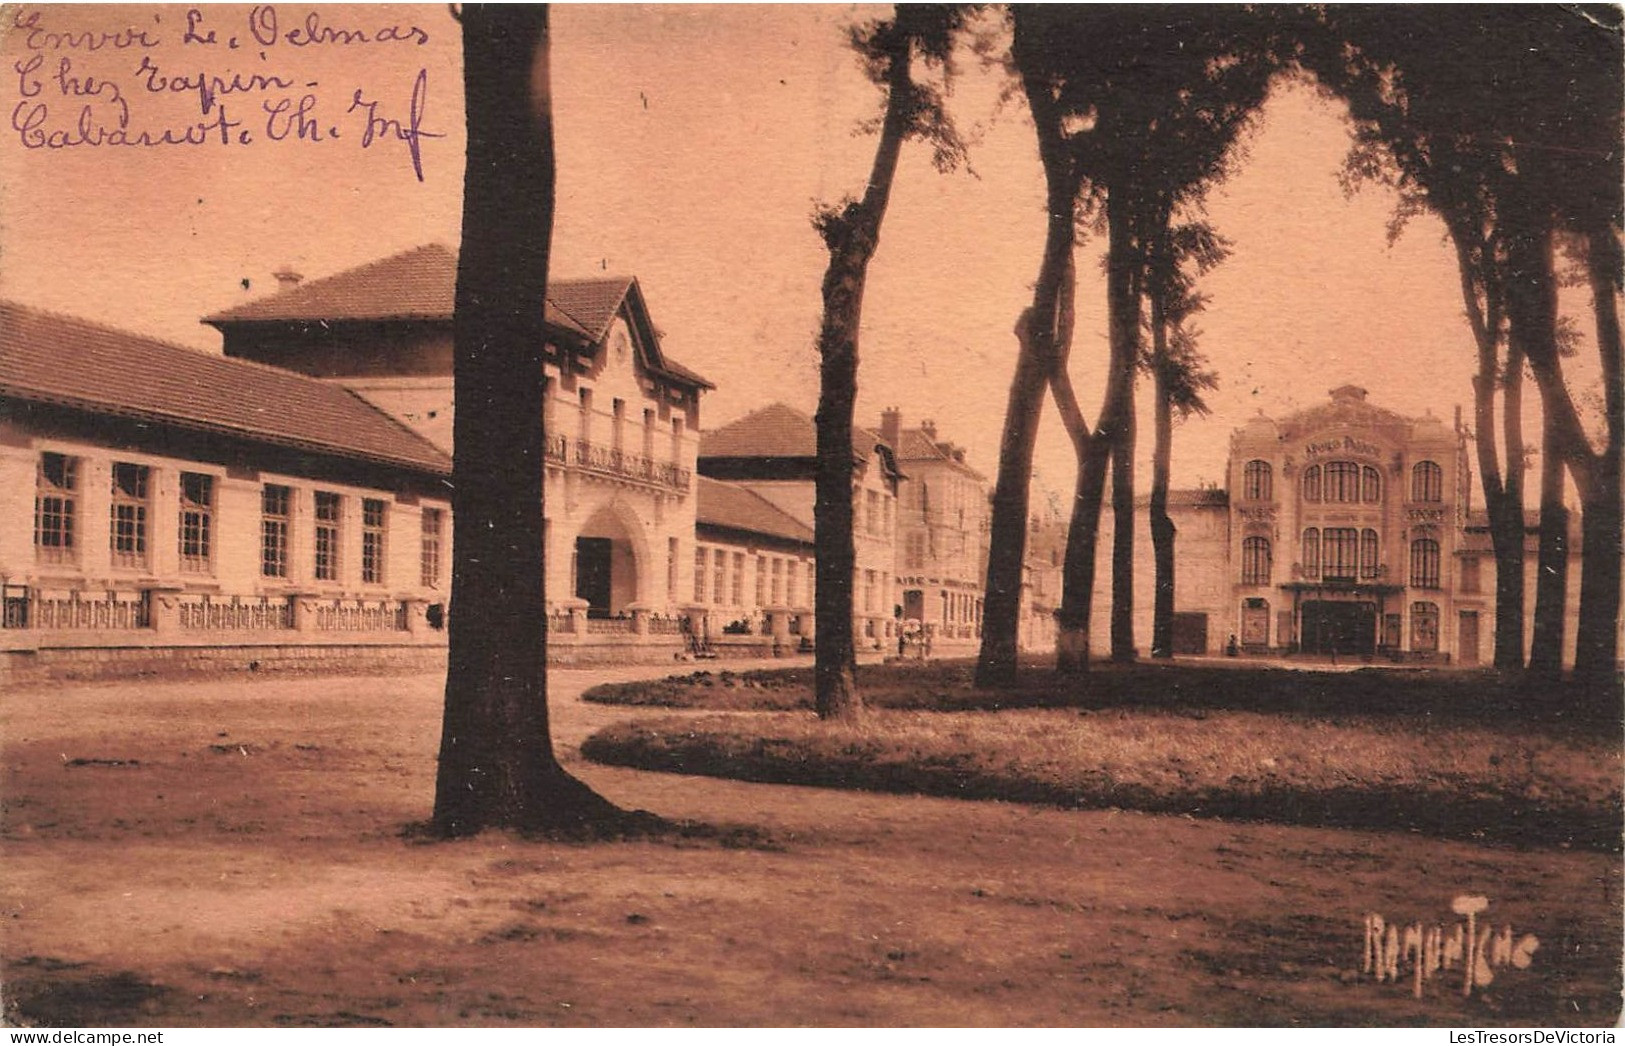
(1433,752)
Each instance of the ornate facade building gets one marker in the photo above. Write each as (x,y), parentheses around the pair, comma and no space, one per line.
(1346,531)
(943,518)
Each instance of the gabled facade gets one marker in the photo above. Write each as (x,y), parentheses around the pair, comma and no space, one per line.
(773,453)
(622,419)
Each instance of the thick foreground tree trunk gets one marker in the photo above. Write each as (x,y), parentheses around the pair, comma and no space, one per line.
(497,767)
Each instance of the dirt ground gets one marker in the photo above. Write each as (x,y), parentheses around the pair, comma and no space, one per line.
(229,853)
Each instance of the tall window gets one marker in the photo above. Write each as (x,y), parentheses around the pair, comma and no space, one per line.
(1471,574)
(56,487)
(1424,563)
(1427,482)
(699,575)
(871,511)
(869,591)
(197,522)
(329,509)
(1425,627)
(1311,553)
(1342,481)
(127,517)
(719,571)
(1368,553)
(790,586)
(761,581)
(1257,481)
(584,397)
(914,550)
(1255,561)
(1340,550)
(1370,484)
(434,522)
(374,521)
(1311,483)
(777,594)
(276,509)
(739,579)
(671,568)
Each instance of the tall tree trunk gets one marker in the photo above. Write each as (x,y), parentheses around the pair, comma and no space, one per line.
(1503,496)
(1095,453)
(1506,516)
(497,767)
(1532,311)
(851,236)
(1597,635)
(1162,524)
(1042,334)
(1552,572)
(1123,650)
(1123,284)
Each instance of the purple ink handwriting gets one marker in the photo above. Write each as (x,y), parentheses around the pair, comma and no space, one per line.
(215,79)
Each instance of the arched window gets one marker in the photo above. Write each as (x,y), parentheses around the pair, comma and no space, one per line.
(1424,563)
(1368,553)
(1370,485)
(1342,481)
(1255,561)
(1427,482)
(1257,481)
(1311,483)
(1340,548)
(1311,553)
(1425,627)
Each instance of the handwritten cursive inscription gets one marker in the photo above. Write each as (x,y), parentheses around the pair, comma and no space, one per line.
(117,87)
(411,133)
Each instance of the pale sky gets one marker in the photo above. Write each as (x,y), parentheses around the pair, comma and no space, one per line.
(693,142)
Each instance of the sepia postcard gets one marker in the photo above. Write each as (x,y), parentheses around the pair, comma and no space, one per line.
(429,595)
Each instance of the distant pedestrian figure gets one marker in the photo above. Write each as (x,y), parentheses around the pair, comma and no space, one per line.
(1231,649)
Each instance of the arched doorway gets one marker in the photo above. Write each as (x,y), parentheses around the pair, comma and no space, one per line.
(607,558)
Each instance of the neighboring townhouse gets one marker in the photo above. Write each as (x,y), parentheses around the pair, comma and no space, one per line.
(773,453)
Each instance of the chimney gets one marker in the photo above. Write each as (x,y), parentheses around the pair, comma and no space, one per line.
(287,277)
(929,427)
(891,427)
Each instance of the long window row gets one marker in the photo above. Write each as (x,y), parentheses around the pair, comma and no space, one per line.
(57,534)
(1342,482)
(719,579)
(1340,554)
(1347,482)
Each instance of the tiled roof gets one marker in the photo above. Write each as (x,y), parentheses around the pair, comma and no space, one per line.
(720,504)
(776,431)
(918,445)
(60,360)
(421,284)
